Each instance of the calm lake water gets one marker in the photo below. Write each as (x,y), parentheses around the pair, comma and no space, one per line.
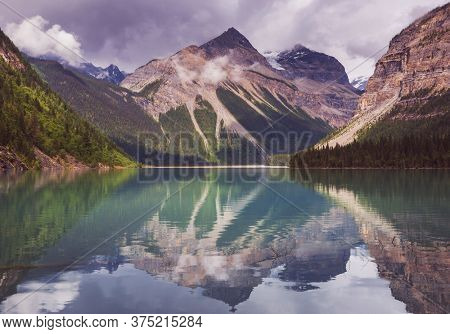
(225,240)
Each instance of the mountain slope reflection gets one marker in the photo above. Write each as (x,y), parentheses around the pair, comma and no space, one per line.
(408,239)
(218,240)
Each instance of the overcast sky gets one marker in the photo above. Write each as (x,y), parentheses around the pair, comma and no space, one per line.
(132,32)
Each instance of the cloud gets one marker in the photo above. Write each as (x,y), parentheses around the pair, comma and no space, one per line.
(214,71)
(130,33)
(185,75)
(36,39)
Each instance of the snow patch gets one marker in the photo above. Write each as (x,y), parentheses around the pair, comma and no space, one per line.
(271,57)
(360,82)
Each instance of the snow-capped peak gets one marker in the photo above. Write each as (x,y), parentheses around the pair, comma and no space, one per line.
(360,82)
(272,57)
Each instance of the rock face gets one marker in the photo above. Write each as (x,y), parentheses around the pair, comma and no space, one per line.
(235,86)
(301,62)
(244,93)
(322,82)
(232,41)
(10,160)
(416,63)
(414,70)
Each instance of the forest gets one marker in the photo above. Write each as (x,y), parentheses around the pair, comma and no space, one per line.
(33,116)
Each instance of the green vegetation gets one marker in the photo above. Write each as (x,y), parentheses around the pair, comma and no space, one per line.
(34,218)
(279,160)
(280,130)
(407,152)
(33,116)
(408,137)
(110,108)
(182,137)
(150,89)
(206,119)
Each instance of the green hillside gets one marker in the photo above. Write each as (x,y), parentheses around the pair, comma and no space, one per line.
(110,108)
(409,136)
(33,116)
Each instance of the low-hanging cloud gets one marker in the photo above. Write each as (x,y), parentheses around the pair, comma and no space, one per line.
(214,71)
(36,38)
(211,72)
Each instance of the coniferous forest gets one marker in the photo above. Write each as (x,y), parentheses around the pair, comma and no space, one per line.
(33,117)
(408,137)
(407,152)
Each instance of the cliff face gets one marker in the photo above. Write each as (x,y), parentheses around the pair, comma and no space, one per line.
(416,65)
(413,73)
(9,54)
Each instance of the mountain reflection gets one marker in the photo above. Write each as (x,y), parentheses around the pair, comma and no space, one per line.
(405,227)
(232,237)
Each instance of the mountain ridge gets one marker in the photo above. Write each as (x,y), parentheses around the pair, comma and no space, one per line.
(414,69)
(37,129)
(238,84)
(403,117)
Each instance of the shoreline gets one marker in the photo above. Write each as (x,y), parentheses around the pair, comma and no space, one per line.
(216,167)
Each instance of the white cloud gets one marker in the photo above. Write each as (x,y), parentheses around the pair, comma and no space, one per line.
(352,31)
(35,39)
(185,75)
(214,70)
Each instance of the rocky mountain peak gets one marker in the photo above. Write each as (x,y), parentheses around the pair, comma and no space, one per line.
(232,43)
(230,39)
(300,62)
(112,73)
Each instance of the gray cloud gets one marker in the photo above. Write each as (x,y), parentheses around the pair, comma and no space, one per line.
(130,33)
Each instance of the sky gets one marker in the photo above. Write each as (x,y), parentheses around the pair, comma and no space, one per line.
(131,33)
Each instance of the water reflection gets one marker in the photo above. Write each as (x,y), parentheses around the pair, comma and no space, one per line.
(209,241)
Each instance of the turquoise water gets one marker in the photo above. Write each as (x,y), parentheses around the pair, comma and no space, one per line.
(225,240)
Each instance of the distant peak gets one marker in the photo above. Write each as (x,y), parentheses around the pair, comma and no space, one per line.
(233,30)
(235,35)
(299,46)
(230,39)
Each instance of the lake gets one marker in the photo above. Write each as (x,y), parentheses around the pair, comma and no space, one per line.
(225,240)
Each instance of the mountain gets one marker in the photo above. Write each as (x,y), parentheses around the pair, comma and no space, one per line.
(407,102)
(111,73)
(221,91)
(107,106)
(322,81)
(301,62)
(233,42)
(360,83)
(242,94)
(224,94)
(37,128)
